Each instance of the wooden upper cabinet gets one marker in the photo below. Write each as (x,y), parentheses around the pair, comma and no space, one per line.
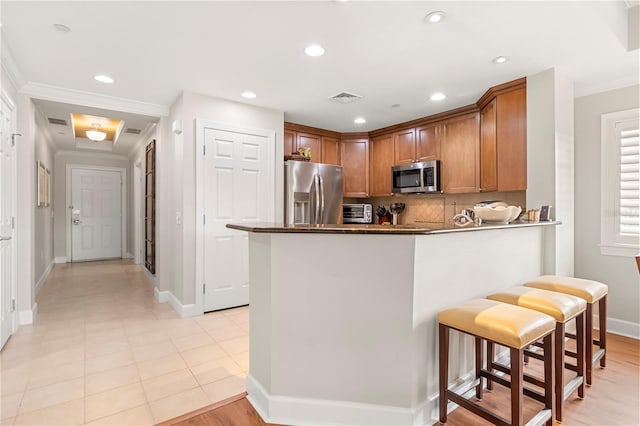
(382,159)
(488,148)
(511,132)
(289,142)
(355,167)
(428,140)
(314,142)
(461,154)
(404,146)
(330,150)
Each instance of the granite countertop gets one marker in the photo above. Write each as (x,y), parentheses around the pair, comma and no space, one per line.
(412,229)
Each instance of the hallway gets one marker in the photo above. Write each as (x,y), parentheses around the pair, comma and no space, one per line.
(103,351)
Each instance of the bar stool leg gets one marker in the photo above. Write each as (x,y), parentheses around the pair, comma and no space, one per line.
(602,317)
(580,361)
(588,337)
(517,361)
(444,370)
(559,369)
(478,349)
(549,376)
(490,356)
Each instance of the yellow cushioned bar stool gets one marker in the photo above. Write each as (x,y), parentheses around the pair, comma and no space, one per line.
(506,325)
(563,308)
(592,292)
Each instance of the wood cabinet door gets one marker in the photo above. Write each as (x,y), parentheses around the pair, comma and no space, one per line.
(330,150)
(460,155)
(355,167)
(511,131)
(428,142)
(405,147)
(289,142)
(314,142)
(488,148)
(382,159)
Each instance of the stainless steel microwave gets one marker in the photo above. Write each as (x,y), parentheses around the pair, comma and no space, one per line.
(416,177)
(357,213)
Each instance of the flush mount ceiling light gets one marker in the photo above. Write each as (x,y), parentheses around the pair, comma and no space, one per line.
(248,95)
(62,28)
(499,59)
(437,96)
(314,50)
(103,78)
(434,17)
(359,120)
(95,134)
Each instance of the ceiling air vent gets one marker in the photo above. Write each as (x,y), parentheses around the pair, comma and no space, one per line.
(345,97)
(58,121)
(133,131)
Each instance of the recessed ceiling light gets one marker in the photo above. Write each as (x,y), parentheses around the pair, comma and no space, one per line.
(61,28)
(359,120)
(499,59)
(248,95)
(103,78)
(437,96)
(434,17)
(314,50)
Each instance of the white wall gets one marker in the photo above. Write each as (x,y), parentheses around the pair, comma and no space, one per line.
(62,158)
(620,273)
(178,156)
(43,227)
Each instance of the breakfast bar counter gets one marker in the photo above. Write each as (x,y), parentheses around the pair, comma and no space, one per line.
(344,317)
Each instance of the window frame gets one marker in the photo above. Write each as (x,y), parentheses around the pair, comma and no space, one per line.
(612,243)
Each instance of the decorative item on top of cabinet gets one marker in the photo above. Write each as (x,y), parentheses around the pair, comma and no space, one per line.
(461,154)
(330,150)
(313,142)
(355,166)
(382,156)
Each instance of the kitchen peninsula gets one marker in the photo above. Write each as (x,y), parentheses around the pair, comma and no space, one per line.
(343,318)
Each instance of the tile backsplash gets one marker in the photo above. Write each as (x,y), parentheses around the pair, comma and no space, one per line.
(439,208)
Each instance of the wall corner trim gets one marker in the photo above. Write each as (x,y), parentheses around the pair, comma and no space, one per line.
(184,311)
(27,316)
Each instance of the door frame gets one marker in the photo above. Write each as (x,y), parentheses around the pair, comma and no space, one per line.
(138,198)
(123,203)
(4,97)
(200,126)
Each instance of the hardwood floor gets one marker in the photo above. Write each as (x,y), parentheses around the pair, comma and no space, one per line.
(613,400)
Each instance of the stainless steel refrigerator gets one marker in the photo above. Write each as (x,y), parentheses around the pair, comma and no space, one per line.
(312,194)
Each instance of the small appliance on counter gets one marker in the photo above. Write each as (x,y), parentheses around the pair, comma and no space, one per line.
(357,213)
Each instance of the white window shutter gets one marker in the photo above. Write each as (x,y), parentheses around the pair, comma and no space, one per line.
(629,181)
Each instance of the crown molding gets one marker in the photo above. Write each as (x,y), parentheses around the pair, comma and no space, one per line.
(68,153)
(95,100)
(10,65)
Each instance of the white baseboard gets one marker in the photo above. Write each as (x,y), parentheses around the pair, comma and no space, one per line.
(61,259)
(27,317)
(621,327)
(184,311)
(44,277)
(127,256)
(308,411)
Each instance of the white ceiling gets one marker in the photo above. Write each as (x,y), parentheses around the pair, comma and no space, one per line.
(380,50)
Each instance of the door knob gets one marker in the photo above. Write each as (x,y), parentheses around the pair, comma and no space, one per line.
(76,221)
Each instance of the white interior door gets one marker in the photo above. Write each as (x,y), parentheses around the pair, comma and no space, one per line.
(96,214)
(7,205)
(236,189)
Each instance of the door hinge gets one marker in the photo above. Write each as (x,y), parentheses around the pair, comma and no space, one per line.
(204,219)
(204,286)
(204,150)
(13,222)
(13,138)
(13,305)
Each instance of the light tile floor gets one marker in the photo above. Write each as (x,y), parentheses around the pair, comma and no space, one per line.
(102,351)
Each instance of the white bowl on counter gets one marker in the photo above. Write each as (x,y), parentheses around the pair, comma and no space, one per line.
(497,213)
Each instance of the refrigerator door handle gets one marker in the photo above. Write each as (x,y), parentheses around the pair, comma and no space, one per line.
(316,194)
(321,180)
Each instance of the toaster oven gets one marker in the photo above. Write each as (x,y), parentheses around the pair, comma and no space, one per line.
(357,213)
